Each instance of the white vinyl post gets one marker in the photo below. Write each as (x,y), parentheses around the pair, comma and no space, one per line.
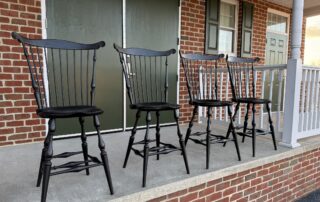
(293,80)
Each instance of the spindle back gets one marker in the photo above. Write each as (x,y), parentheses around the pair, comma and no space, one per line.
(146,74)
(242,76)
(201,69)
(70,71)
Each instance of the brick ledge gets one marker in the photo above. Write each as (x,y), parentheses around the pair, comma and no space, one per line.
(166,189)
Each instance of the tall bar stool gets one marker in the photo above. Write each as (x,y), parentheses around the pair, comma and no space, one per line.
(207,97)
(146,76)
(70,69)
(243,84)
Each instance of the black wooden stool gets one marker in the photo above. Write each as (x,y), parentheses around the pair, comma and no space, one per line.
(146,76)
(205,97)
(70,70)
(243,84)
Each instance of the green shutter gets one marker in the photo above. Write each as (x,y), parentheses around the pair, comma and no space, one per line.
(212,26)
(247,29)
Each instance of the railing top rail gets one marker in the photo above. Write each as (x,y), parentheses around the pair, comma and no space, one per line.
(306,67)
(259,68)
(270,67)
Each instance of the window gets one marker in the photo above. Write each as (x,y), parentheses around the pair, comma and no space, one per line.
(277,23)
(227,28)
(221,26)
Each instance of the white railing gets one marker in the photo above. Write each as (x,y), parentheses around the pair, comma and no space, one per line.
(270,82)
(309,108)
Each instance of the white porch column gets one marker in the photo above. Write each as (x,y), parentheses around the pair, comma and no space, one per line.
(293,82)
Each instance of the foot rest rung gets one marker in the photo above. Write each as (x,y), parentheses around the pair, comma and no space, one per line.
(66,154)
(258,132)
(75,169)
(143,142)
(165,149)
(213,138)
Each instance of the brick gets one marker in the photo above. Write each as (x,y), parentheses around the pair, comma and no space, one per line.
(229,191)
(214,196)
(162,198)
(188,197)
(22,141)
(9,13)
(222,186)
(214,182)
(3,138)
(6,143)
(23,129)
(178,193)
(250,176)
(207,191)
(12,28)
(17,137)
(243,186)
(196,188)
(17,7)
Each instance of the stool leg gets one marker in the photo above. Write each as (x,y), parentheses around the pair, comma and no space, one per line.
(40,173)
(235,139)
(195,110)
(181,141)
(253,130)
(245,124)
(233,118)
(271,127)
(158,133)
(209,114)
(48,153)
(146,150)
(84,144)
(103,153)
(131,140)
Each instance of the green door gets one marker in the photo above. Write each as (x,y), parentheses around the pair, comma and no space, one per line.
(92,21)
(276,49)
(276,53)
(153,24)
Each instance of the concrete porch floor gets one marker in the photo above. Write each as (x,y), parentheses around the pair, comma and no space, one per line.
(19,166)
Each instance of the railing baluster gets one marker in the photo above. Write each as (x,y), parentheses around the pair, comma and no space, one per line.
(200,113)
(240,94)
(262,95)
(227,98)
(221,82)
(271,86)
(311,115)
(308,100)
(316,119)
(302,105)
(280,81)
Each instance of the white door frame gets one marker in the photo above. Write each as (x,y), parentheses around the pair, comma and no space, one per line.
(284,14)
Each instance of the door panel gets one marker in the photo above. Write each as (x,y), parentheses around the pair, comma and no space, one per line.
(276,53)
(91,21)
(153,24)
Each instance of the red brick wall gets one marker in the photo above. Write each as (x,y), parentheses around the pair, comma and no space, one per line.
(284,180)
(193,37)
(18,122)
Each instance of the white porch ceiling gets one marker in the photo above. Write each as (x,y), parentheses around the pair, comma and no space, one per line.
(311,7)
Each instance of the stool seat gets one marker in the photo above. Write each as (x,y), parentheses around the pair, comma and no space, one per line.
(70,111)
